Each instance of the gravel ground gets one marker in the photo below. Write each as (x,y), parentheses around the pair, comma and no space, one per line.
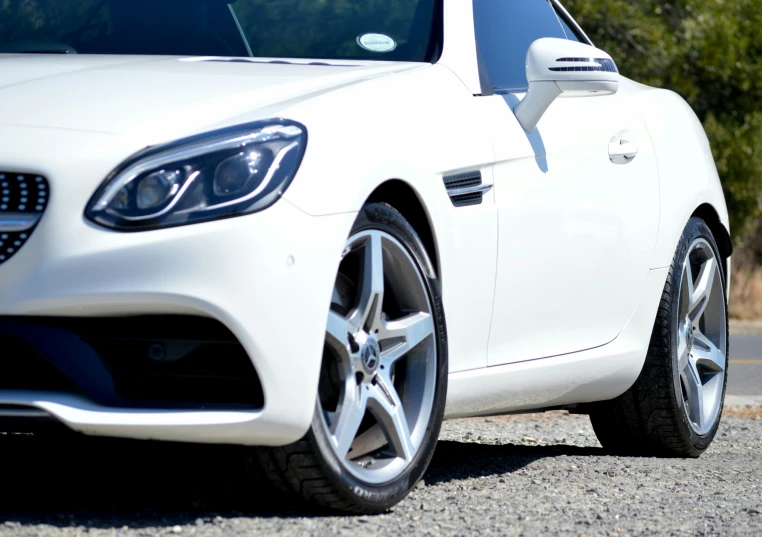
(522,475)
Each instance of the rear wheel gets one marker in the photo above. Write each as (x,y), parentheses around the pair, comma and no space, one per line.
(674,407)
(383,378)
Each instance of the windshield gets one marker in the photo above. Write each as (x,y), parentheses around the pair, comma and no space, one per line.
(397,30)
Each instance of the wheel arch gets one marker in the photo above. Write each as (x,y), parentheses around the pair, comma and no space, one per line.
(405,199)
(721,234)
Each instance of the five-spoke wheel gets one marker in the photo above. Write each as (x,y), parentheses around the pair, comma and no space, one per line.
(702,336)
(380,368)
(383,376)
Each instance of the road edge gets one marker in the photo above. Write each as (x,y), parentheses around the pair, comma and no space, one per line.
(743,401)
(745,328)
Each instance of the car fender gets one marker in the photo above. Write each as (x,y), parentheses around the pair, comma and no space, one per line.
(688,176)
(414,126)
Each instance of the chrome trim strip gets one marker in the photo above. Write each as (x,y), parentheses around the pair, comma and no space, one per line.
(561,12)
(23,413)
(17,222)
(480,189)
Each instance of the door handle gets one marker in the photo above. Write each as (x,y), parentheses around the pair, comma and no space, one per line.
(622,149)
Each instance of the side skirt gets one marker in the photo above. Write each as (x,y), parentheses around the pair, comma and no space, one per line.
(583,377)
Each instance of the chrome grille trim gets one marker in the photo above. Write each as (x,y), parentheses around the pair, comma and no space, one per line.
(17,222)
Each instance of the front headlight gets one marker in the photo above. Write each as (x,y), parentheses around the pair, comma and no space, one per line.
(229,172)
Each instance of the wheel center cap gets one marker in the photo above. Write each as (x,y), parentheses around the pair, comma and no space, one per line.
(371,355)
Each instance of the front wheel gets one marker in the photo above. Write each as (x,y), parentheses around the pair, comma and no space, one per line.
(383,378)
(674,407)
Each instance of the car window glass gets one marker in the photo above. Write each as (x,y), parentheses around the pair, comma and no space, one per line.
(504,31)
(48,21)
(338,29)
(396,30)
(171,27)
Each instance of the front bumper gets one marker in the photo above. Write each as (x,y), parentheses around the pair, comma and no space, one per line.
(268,277)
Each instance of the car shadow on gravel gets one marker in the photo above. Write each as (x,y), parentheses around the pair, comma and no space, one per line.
(462,460)
(106,483)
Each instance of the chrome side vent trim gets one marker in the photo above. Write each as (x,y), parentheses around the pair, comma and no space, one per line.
(466,189)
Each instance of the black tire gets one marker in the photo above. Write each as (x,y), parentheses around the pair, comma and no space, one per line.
(309,469)
(650,419)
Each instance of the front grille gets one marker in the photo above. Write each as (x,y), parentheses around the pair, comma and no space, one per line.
(23,199)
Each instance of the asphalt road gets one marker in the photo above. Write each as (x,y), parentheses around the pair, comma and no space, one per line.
(745,371)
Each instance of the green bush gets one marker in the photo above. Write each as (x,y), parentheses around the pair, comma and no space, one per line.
(708,51)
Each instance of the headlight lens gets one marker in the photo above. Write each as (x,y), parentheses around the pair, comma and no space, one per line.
(230,172)
(153,190)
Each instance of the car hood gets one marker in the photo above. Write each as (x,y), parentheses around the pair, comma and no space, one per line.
(121,94)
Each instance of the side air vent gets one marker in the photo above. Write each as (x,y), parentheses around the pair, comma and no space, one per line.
(466,189)
(23,199)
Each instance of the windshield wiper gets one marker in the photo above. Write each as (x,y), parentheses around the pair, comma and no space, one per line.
(277,62)
(36,47)
(45,51)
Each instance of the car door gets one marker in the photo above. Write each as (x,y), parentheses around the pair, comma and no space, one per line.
(577,225)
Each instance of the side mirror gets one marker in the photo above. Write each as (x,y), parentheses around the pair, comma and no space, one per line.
(557,67)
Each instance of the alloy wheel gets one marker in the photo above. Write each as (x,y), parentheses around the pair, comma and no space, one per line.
(378,379)
(702,337)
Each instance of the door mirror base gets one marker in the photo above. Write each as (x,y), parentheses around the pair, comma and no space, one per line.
(557,67)
(536,102)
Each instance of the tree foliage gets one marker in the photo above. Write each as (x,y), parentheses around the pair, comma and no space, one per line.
(708,51)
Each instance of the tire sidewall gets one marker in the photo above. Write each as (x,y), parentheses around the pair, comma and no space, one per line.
(696,229)
(384,218)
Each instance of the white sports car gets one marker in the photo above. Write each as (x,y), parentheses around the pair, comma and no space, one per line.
(245,222)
